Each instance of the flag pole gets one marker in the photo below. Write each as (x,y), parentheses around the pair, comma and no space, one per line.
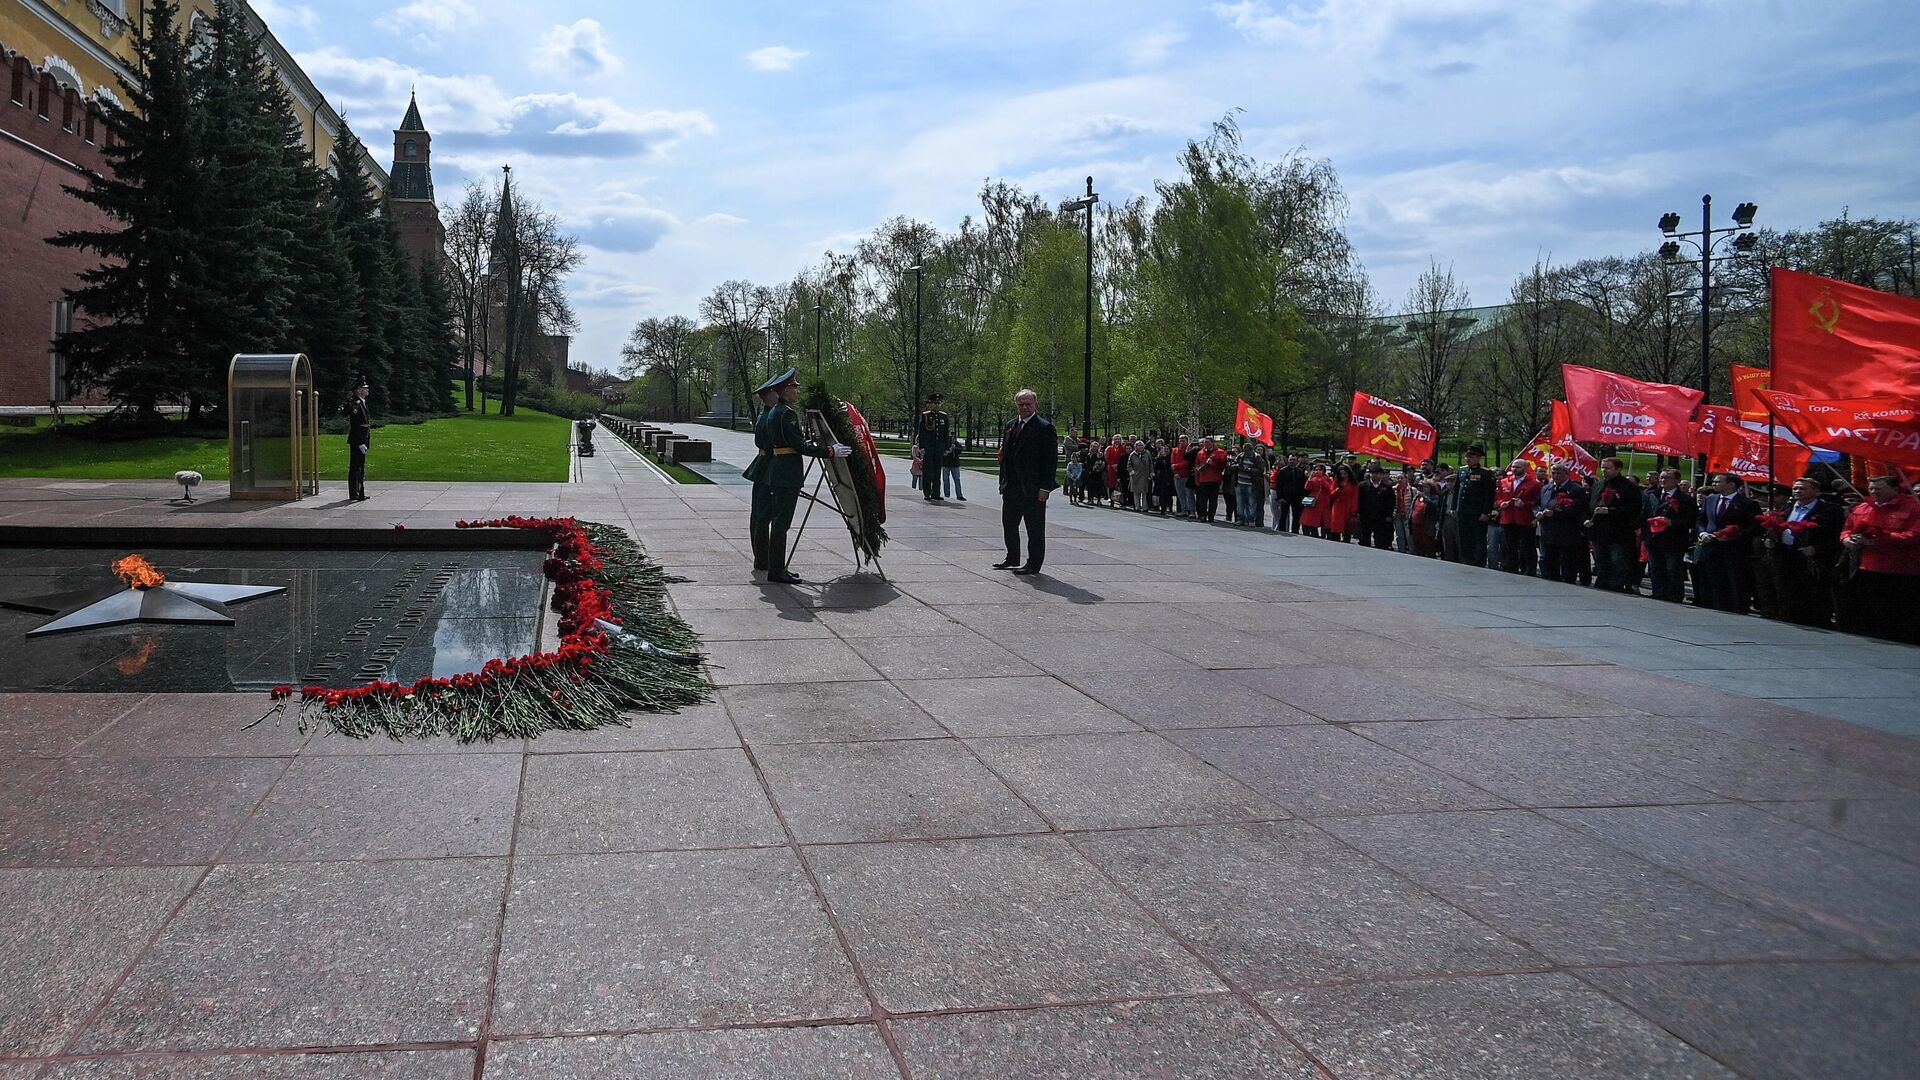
(1772,430)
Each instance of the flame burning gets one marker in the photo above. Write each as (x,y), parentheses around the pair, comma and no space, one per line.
(138,572)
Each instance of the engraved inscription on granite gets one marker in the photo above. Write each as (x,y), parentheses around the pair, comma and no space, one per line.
(347,617)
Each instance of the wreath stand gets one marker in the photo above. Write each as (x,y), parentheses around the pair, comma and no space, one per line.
(842,496)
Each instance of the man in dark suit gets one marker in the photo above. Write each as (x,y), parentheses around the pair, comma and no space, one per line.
(1668,517)
(1029,455)
(1803,556)
(359,437)
(1613,521)
(1563,543)
(936,438)
(1722,559)
(1289,487)
(1376,509)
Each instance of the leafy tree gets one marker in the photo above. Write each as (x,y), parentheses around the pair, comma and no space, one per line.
(139,337)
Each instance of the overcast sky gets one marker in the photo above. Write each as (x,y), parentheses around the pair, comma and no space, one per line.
(687,143)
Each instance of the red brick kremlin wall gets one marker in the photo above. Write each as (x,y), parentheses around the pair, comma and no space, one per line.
(40,155)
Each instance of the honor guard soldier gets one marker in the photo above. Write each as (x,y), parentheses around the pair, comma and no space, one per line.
(776,472)
(1469,507)
(936,438)
(359,436)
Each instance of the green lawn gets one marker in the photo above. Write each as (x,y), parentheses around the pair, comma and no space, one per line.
(528,446)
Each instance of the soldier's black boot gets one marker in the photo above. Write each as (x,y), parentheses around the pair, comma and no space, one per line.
(777,571)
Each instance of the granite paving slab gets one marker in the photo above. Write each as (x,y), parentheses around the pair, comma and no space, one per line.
(99,811)
(669,939)
(197,725)
(1350,695)
(1784,1021)
(998,922)
(736,663)
(1323,769)
(1831,886)
(1530,764)
(387,1065)
(384,808)
(826,712)
(843,1052)
(314,954)
(50,725)
(1889,825)
(66,936)
(1572,898)
(1162,700)
(697,727)
(1284,904)
(1036,705)
(1507,1027)
(921,789)
(1208,1038)
(1119,780)
(643,802)
(971,656)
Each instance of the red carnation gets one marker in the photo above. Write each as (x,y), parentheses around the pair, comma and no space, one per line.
(1657,525)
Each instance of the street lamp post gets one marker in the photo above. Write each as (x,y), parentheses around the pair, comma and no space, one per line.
(818,315)
(1086,386)
(1704,242)
(918,276)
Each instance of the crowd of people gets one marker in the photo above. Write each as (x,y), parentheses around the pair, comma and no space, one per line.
(1817,553)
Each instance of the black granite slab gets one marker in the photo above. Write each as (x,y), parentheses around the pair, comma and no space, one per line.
(348,616)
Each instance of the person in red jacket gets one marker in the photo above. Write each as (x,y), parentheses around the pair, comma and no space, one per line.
(1209,465)
(1518,493)
(1882,537)
(1343,512)
(1318,503)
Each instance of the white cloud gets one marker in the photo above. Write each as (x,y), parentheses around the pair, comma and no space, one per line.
(470,111)
(428,20)
(1151,49)
(576,50)
(280,15)
(776,58)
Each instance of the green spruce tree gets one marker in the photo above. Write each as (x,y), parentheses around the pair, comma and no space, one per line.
(364,235)
(244,276)
(442,347)
(139,330)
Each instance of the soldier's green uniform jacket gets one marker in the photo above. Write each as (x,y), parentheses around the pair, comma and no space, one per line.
(781,444)
(1473,490)
(936,435)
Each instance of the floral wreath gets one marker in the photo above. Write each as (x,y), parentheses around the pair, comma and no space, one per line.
(620,648)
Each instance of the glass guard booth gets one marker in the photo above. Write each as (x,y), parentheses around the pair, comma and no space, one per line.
(273,427)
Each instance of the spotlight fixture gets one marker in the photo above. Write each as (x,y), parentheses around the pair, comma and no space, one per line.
(1670,250)
(1743,214)
(1669,223)
(1746,242)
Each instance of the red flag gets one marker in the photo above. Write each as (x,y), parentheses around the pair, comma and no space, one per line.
(1738,449)
(1876,428)
(1560,423)
(1836,341)
(865,434)
(1611,408)
(1378,427)
(1252,423)
(1745,381)
(1551,447)
(1709,419)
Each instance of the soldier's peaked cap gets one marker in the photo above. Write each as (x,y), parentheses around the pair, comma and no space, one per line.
(778,381)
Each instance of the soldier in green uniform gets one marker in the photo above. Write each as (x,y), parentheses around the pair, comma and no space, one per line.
(936,438)
(1469,504)
(776,472)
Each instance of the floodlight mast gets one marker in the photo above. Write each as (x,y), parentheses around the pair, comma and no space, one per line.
(1704,242)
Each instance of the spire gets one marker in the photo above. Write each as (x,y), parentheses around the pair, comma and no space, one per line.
(412,121)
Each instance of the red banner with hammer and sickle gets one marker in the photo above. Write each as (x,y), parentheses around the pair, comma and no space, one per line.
(1834,341)
(1378,427)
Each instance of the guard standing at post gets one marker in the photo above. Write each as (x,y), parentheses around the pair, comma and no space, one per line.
(936,437)
(359,436)
(777,471)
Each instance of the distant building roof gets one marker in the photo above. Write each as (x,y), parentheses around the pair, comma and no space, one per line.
(412,120)
(411,180)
